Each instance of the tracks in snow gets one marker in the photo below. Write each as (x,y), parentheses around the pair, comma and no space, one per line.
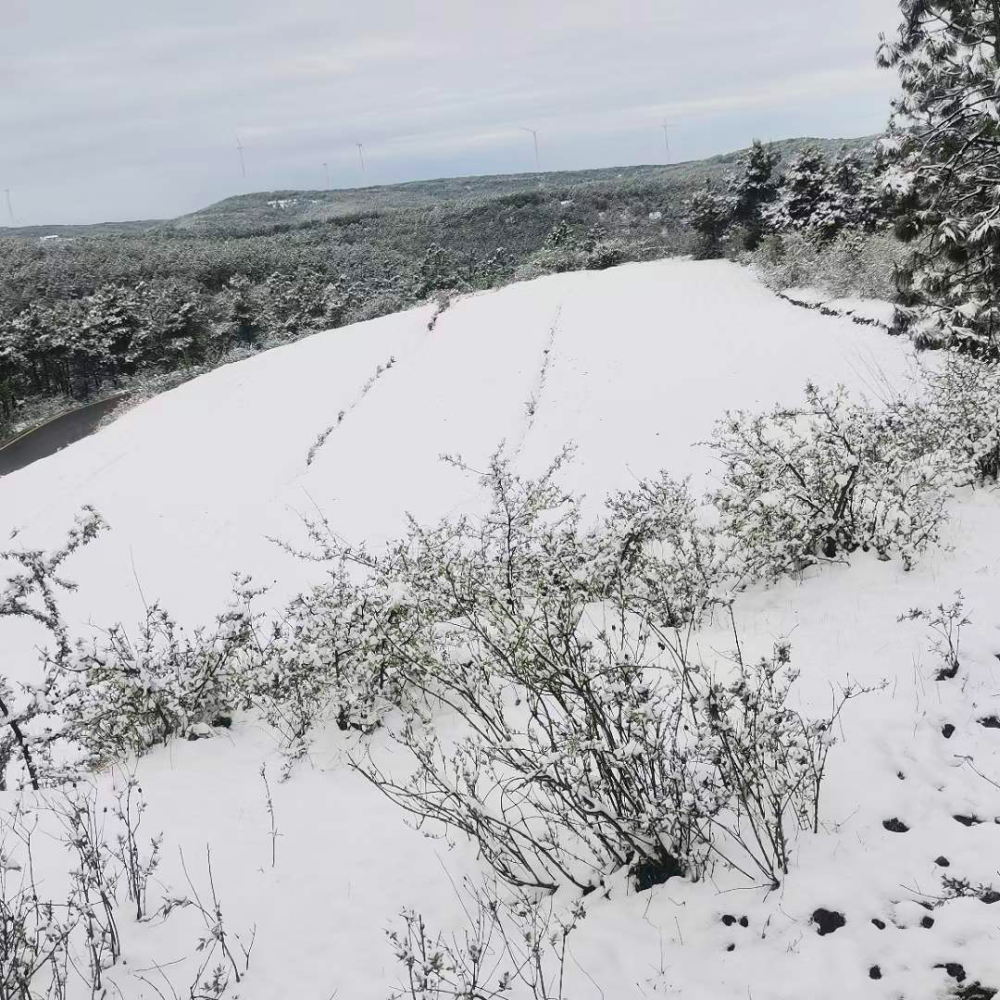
(538,389)
(324,435)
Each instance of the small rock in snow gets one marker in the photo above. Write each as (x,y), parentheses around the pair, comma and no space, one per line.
(828,921)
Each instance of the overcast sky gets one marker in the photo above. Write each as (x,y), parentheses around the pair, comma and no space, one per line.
(126,109)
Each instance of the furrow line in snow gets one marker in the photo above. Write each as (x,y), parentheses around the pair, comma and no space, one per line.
(536,393)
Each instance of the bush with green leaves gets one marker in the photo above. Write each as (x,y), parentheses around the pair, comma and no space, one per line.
(820,481)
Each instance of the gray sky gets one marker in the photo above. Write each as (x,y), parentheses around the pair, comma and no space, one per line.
(123,109)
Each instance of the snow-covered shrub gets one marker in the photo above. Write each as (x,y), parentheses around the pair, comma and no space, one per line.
(330,661)
(30,712)
(828,478)
(565,769)
(962,399)
(588,741)
(566,250)
(853,265)
(670,558)
(768,757)
(132,693)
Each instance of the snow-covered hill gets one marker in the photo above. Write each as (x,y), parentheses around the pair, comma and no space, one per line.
(633,365)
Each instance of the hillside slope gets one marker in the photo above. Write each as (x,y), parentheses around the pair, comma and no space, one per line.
(634,365)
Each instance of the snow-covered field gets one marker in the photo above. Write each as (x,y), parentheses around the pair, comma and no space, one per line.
(633,365)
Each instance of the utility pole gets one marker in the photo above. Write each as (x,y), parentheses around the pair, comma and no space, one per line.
(239,149)
(534,136)
(10,207)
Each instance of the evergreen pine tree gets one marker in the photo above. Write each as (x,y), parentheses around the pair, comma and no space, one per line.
(806,192)
(709,214)
(944,149)
(753,188)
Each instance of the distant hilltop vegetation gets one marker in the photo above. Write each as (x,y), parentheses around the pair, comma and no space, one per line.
(266,210)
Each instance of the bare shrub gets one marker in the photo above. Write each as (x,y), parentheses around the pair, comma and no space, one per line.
(589,739)
(505,944)
(945,623)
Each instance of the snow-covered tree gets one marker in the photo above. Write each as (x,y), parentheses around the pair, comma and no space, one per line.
(840,205)
(806,192)
(752,188)
(944,148)
(241,316)
(709,214)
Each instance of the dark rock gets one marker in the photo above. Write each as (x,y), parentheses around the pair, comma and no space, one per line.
(968,820)
(927,922)
(874,972)
(990,897)
(880,924)
(649,871)
(828,921)
(730,947)
(990,722)
(728,919)
(744,922)
(954,969)
(895,825)
(222,722)
(947,731)
(942,861)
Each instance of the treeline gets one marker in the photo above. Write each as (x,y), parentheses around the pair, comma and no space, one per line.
(80,315)
(815,195)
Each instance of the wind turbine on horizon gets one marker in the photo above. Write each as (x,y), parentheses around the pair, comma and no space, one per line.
(239,149)
(534,136)
(667,126)
(361,157)
(10,207)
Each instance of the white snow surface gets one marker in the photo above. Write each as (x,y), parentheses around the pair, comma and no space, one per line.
(643,360)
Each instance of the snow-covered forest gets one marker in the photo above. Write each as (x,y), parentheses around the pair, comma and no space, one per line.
(586,592)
